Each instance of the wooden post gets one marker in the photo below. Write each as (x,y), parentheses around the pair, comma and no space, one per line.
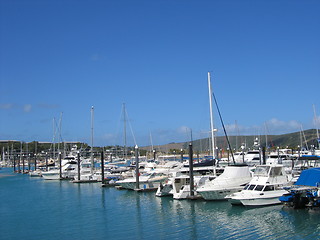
(191,170)
(78,163)
(137,167)
(181,152)
(102,167)
(35,161)
(46,162)
(228,156)
(29,163)
(19,163)
(14,163)
(60,167)
(22,163)
(264,155)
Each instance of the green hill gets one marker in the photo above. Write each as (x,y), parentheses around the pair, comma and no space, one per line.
(290,140)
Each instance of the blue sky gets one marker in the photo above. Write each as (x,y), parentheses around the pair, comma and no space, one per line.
(66,56)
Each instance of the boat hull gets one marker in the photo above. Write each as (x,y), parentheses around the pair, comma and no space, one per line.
(219,194)
(259,200)
(51,176)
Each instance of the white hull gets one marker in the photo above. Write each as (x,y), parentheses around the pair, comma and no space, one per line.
(51,175)
(259,201)
(184,193)
(247,198)
(142,185)
(218,194)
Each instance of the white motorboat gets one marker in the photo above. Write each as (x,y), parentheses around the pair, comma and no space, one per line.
(35,173)
(147,181)
(181,180)
(181,185)
(68,170)
(232,180)
(52,174)
(252,157)
(265,188)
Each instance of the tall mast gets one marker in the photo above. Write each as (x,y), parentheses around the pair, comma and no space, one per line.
(211,117)
(54,137)
(124,132)
(316,124)
(92,160)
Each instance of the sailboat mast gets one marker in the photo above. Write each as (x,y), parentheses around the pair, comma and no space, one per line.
(54,137)
(92,160)
(211,117)
(124,132)
(316,125)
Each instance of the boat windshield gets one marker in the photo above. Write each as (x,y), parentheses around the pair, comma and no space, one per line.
(269,188)
(251,187)
(262,171)
(276,171)
(259,188)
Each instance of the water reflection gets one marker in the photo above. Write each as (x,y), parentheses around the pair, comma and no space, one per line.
(87,211)
(199,219)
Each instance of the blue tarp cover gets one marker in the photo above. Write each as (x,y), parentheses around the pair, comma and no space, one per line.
(309,177)
(286,198)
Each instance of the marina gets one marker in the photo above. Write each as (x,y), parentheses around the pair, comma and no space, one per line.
(32,208)
(222,140)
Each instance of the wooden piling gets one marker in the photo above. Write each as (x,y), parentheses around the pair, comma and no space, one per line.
(78,163)
(29,162)
(137,167)
(102,168)
(264,155)
(14,163)
(60,167)
(191,169)
(22,163)
(35,161)
(46,162)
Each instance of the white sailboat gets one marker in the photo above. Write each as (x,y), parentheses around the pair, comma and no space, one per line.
(181,183)
(87,170)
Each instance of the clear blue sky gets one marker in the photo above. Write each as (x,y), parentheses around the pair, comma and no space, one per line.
(68,55)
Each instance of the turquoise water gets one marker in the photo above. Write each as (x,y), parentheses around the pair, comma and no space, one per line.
(33,208)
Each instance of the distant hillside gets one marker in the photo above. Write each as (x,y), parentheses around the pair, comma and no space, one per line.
(290,140)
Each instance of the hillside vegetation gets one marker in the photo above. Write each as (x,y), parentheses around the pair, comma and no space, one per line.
(291,140)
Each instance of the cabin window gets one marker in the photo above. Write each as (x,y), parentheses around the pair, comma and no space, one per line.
(276,171)
(259,188)
(251,187)
(187,181)
(269,188)
(261,171)
(246,187)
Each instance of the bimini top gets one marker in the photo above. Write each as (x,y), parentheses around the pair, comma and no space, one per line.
(309,177)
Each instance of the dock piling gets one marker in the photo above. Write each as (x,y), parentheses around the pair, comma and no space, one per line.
(191,169)
(60,167)
(137,167)
(102,167)
(78,156)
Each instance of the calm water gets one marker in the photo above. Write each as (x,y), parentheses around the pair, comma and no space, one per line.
(33,208)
